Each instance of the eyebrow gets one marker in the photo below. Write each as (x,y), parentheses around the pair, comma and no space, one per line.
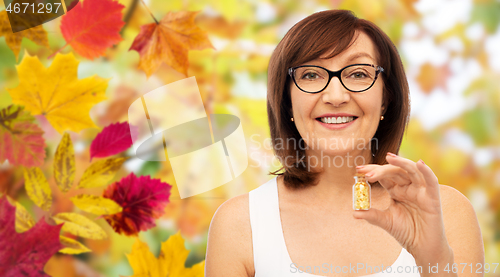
(359,55)
(350,58)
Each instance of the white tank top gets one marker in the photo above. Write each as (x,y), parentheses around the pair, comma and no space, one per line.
(270,255)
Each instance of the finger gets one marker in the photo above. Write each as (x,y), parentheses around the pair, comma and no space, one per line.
(430,178)
(367,167)
(388,179)
(375,167)
(386,174)
(409,166)
(380,218)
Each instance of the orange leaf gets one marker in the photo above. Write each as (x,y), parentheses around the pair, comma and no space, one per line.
(21,140)
(36,34)
(169,42)
(431,77)
(90,28)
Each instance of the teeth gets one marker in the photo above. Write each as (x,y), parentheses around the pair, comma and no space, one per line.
(337,120)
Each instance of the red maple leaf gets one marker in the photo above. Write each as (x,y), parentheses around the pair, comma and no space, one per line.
(25,254)
(113,139)
(90,28)
(143,200)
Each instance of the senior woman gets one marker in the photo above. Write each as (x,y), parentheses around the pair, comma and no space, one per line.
(338,98)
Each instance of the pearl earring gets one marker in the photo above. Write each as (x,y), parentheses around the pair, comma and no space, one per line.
(292,118)
(381,117)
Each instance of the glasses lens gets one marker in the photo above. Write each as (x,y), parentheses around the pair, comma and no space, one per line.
(358,77)
(311,79)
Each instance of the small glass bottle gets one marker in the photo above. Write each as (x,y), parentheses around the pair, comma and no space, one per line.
(361,193)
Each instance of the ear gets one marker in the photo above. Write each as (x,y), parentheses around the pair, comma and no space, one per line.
(384,107)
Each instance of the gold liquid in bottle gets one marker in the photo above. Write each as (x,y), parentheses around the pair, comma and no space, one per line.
(361,193)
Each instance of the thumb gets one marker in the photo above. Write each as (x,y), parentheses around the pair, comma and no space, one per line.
(380,218)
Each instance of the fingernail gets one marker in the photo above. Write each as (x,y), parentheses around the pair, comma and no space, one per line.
(422,161)
(391,154)
(360,166)
(369,174)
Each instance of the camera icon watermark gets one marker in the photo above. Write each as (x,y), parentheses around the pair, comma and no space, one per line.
(204,151)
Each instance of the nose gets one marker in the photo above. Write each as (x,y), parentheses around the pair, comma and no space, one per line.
(335,93)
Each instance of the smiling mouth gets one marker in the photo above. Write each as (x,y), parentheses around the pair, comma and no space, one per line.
(336,120)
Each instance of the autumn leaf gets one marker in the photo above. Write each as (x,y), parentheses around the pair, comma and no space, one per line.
(21,140)
(431,77)
(64,164)
(96,204)
(38,188)
(57,93)
(113,139)
(79,225)
(169,263)
(221,27)
(93,26)
(13,40)
(72,246)
(169,42)
(25,254)
(101,172)
(143,199)
(24,221)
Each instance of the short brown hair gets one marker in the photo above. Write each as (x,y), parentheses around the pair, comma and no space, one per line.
(307,40)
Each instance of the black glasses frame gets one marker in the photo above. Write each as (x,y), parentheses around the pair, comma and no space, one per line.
(331,74)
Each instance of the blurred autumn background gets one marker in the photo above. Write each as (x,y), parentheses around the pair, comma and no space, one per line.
(66,87)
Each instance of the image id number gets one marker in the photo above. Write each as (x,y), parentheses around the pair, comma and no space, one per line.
(40,8)
(478,268)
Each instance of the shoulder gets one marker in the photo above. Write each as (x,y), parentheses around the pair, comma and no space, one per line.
(461,225)
(454,203)
(229,245)
(451,197)
(456,207)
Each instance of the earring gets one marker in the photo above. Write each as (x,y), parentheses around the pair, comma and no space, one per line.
(292,118)
(381,117)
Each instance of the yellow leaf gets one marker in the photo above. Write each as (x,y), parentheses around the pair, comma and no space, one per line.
(99,173)
(142,260)
(72,246)
(79,225)
(24,221)
(170,262)
(38,188)
(96,204)
(64,164)
(57,93)
(13,40)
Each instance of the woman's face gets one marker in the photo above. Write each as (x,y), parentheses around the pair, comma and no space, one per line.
(309,110)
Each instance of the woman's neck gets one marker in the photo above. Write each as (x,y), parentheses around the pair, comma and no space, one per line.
(334,183)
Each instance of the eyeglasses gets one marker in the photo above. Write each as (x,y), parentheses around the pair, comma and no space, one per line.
(354,77)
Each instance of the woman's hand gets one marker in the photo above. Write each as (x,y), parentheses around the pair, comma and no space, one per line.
(414,217)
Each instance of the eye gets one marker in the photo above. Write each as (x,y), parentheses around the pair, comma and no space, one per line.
(358,75)
(310,76)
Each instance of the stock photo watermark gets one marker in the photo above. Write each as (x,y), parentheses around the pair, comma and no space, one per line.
(296,147)
(357,268)
(367,269)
